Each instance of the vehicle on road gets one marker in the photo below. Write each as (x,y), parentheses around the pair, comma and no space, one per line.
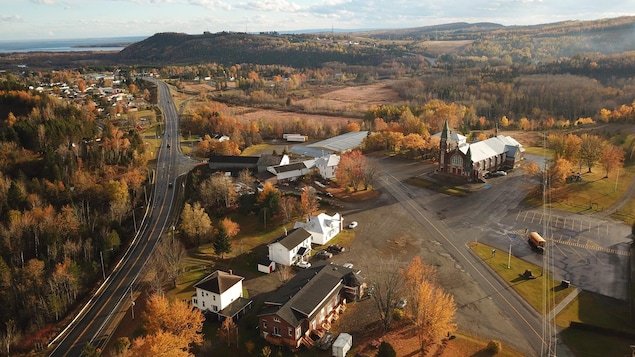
(537,242)
(170,185)
(335,249)
(304,265)
(352,225)
(323,254)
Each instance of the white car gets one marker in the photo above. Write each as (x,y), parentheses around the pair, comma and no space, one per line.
(352,225)
(304,265)
(348,265)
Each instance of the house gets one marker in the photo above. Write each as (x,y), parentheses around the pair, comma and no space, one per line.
(221,294)
(303,309)
(256,164)
(326,165)
(290,171)
(290,248)
(322,227)
(461,161)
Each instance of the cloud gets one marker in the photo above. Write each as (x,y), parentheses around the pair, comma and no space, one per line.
(211,4)
(43,2)
(10,18)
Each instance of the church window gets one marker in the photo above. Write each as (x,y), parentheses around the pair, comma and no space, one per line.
(457,160)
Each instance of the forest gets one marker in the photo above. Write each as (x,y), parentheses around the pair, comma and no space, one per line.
(72,177)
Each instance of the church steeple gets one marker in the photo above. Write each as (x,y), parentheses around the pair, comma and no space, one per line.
(445,133)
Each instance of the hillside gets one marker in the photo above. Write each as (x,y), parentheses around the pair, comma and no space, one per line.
(371,48)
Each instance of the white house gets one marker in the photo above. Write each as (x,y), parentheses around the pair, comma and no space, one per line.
(327,164)
(290,248)
(221,293)
(322,227)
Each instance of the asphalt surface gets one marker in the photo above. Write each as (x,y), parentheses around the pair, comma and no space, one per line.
(407,220)
(98,318)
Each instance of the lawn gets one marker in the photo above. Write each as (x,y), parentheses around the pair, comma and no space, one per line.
(530,289)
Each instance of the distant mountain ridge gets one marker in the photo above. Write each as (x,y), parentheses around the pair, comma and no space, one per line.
(370,48)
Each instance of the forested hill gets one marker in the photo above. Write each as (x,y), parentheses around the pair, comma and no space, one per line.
(536,43)
(226,47)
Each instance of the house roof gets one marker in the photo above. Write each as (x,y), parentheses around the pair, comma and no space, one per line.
(304,150)
(290,167)
(223,159)
(269,160)
(320,223)
(293,239)
(218,282)
(307,291)
(342,142)
(491,147)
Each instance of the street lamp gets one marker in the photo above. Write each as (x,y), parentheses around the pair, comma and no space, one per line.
(509,256)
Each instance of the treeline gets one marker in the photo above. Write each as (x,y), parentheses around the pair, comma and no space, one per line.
(67,189)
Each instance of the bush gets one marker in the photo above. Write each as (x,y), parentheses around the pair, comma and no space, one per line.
(494,346)
(386,350)
(397,314)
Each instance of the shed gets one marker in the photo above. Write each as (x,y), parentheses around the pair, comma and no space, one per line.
(342,345)
(266,266)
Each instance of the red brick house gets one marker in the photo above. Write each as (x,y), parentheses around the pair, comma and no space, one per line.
(302,310)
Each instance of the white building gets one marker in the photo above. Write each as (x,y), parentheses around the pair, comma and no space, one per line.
(221,293)
(290,248)
(322,227)
(327,164)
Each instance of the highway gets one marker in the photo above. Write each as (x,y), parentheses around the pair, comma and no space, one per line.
(99,317)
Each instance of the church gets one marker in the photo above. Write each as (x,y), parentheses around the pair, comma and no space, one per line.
(463,162)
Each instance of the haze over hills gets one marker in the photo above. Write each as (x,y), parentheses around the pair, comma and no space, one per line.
(373,47)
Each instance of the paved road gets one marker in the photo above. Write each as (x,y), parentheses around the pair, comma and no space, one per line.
(101,314)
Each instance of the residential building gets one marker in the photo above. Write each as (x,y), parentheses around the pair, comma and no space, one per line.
(322,227)
(304,308)
(327,164)
(291,247)
(221,294)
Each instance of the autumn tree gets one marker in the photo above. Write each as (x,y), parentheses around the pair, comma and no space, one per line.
(231,228)
(195,222)
(308,201)
(172,325)
(269,201)
(222,245)
(350,171)
(612,157)
(590,149)
(430,309)
(559,171)
(228,331)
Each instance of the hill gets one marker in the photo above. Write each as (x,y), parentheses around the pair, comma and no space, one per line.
(371,48)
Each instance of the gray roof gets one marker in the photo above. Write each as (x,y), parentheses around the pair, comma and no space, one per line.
(290,167)
(218,282)
(303,150)
(342,142)
(269,160)
(292,239)
(304,295)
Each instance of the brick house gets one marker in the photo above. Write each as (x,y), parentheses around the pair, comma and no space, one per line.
(303,309)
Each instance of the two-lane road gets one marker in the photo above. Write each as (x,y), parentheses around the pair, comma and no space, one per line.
(95,321)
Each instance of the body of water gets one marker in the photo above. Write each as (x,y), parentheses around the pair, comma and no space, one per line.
(70,45)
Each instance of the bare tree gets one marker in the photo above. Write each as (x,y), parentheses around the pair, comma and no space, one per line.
(385,278)
(288,205)
(284,272)
(11,335)
(172,254)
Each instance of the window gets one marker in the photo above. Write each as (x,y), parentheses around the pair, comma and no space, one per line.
(297,332)
(276,330)
(457,160)
(264,324)
(195,301)
(203,303)
(215,308)
(276,319)
(214,297)
(290,329)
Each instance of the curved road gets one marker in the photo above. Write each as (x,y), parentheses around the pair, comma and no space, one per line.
(97,320)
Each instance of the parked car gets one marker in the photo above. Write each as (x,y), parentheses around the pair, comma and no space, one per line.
(401,304)
(304,265)
(348,265)
(334,248)
(323,254)
(328,194)
(352,225)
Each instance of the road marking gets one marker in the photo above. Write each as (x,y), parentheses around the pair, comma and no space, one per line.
(590,245)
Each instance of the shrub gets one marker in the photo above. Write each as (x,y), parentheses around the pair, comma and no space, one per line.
(386,350)
(397,314)
(494,346)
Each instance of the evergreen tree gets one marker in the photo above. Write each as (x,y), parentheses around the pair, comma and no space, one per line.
(386,350)
(222,244)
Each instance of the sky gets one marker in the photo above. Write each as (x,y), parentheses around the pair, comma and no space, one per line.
(71,19)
